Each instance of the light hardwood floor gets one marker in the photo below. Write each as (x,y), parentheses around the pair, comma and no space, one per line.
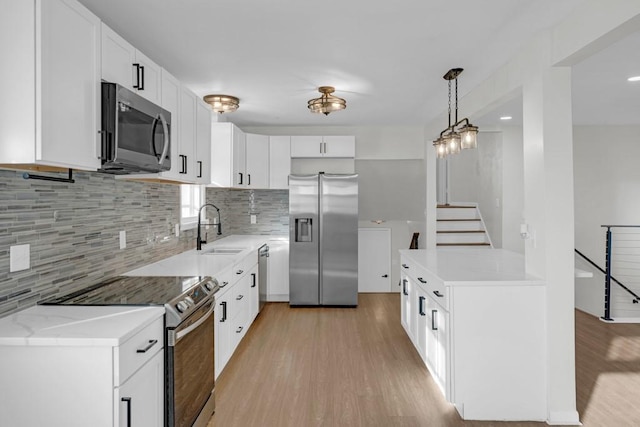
(356,367)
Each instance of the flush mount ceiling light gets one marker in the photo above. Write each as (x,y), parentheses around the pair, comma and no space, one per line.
(222,103)
(327,103)
(461,134)
(634,79)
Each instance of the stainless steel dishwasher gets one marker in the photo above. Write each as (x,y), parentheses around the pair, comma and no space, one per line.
(263,274)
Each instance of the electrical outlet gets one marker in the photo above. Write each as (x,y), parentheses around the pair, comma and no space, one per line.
(19,257)
(254,219)
(123,239)
(177,230)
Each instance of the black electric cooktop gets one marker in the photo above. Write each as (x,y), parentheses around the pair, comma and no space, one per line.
(129,290)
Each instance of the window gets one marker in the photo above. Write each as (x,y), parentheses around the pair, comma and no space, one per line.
(191,198)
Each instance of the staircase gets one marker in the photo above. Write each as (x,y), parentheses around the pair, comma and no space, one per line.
(461,225)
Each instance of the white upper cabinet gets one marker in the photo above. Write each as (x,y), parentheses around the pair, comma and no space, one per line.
(228,151)
(323,146)
(170,101)
(257,161)
(279,162)
(203,142)
(187,146)
(239,159)
(50,85)
(127,66)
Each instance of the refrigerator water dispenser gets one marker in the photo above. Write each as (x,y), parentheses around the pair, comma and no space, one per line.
(303,230)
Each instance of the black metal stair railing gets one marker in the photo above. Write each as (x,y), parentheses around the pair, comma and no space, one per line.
(609,264)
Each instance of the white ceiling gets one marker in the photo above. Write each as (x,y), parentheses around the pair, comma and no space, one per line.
(386,59)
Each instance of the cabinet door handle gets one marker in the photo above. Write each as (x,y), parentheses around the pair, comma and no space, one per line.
(422,280)
(224,284)
(248,179)
(434,323)
(253,278)
(321,148)
(199,169)
(137,84)
(404,287)
(127,400)
(141,78)
(239,297)
(325,147)
(240,173)
(186,164)
(224,311)
(385,275)
(148,347)
(239,271)
(421,306)
(438,294)
(183,164)
(240,328)
(405,266)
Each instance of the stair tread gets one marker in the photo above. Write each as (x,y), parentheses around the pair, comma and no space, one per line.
(467,219)
(460,231)
(463,244)
(455,207)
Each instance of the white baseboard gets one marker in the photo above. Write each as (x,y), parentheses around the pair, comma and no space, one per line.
(278,297)
(623,320)
(564,418)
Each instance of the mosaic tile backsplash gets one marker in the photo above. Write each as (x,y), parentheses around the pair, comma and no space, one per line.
(73,229)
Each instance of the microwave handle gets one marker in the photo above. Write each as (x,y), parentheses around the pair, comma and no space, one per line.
(165,129)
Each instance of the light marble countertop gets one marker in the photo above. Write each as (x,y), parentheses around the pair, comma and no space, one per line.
(199,263)
(474,266)
(94,326)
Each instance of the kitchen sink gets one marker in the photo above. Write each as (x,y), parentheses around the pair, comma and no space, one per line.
(222,251)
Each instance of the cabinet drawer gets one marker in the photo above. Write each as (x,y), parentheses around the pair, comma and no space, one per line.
(432,285)
(226,278)
(241,267)
(137,350)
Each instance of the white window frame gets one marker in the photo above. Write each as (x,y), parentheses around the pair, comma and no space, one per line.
(195,197)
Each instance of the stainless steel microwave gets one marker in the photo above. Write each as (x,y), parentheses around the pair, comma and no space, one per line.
(136,133)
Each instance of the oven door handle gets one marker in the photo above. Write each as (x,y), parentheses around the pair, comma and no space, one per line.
(188,329)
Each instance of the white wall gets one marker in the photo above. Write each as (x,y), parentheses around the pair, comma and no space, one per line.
(476,176)
(607,191)
(512,188)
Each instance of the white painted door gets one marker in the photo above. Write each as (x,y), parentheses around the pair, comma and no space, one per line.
(339,146)
(279,162)
(203,142)
(141,398)
(306,146)
(374,260)
(257,156)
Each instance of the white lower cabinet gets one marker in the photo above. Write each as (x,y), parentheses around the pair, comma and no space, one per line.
(236,307)
(81,376)
(138,402)
(278,271)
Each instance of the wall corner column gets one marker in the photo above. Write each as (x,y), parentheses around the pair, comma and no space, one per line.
(548,209)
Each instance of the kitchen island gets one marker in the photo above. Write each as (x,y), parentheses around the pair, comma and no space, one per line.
(478,321)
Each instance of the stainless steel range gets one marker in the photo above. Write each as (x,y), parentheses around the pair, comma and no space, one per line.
(189,340)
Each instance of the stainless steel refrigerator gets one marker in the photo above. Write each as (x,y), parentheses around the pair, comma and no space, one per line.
(323,240)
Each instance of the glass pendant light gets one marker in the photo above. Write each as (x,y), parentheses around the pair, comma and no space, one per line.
(469,136)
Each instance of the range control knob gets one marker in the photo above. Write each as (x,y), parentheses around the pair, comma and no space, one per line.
(189,301)
(208,285)
(182,306)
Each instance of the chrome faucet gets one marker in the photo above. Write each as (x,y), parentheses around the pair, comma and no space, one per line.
(199,240)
